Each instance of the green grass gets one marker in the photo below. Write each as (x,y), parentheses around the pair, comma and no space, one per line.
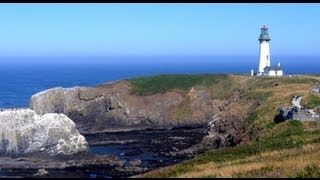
(256,173)
(310,171)
(162,83)
(267,82)
(284,140)
(313,102)
(261,96)
(271,125)
(298,80)
(292,137)
(252,117)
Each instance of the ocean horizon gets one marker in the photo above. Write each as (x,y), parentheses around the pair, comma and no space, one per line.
(21,77)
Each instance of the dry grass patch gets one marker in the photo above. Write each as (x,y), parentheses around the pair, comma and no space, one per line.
(311,126)
(266,164)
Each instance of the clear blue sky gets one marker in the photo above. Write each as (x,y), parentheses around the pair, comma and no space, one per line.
(149,29)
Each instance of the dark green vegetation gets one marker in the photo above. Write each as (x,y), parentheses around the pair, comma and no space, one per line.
(162,83)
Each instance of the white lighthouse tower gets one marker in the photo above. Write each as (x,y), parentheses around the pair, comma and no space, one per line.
(264,55)
(265,67)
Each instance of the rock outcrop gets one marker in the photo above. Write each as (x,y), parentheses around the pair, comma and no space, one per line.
(25,132)
(227,127)
(112,107)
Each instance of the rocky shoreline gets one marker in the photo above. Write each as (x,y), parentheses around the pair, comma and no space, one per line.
(44,154)
(125,134)
(150,146)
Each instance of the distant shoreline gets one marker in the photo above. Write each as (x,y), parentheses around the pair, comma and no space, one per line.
(20,87)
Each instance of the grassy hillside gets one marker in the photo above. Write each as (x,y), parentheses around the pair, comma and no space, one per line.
(285,155)
(287,149)
(162,83)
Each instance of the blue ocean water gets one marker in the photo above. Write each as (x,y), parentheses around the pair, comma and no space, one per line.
(22,77)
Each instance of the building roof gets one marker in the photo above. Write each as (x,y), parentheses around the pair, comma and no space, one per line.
(276,68)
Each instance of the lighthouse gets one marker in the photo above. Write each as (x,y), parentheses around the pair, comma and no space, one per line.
(265,67)
(264,50)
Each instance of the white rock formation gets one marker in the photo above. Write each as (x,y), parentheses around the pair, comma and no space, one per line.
(52,100)
(23,131)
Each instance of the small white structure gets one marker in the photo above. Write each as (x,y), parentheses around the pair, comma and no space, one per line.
(273,71)
(265,67)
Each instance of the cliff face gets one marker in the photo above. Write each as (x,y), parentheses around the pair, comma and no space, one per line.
(112,107)
(228,128)
(222,106)
(228,125)
(23,132)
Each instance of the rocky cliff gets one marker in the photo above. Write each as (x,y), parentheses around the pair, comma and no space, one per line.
(222,107)
(112,107)
(25,132)
(227,127)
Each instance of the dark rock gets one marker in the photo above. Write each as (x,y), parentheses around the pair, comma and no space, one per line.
(227,128)
(135,162)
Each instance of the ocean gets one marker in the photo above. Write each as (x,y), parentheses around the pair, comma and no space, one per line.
(21,77)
